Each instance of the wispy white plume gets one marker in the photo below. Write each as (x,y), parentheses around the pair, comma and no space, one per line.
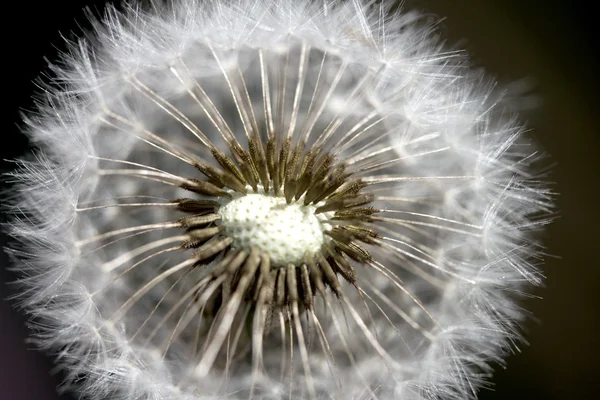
(275,199)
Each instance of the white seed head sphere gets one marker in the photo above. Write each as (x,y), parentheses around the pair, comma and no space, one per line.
(287,199)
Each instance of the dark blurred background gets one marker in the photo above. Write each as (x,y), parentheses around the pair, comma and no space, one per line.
(551,43)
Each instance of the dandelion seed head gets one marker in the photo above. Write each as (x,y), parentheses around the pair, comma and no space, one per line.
(241,200)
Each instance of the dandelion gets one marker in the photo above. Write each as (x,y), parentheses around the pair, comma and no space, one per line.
(274,200)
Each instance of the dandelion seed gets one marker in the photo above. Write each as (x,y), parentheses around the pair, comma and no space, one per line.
(288,200)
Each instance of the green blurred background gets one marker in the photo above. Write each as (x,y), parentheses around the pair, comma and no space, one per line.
(552,44)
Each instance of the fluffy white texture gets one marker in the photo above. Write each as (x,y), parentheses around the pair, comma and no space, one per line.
(448,163)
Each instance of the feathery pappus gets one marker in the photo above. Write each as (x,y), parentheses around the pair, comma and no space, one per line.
(287,199)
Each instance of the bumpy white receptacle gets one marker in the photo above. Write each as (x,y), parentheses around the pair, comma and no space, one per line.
(284,231)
